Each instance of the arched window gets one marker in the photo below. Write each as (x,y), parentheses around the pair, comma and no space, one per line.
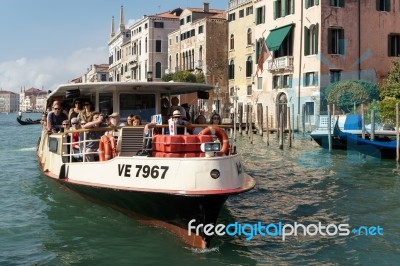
(232,42)
(231,70)
(249,66)
(158,70)
(249,37)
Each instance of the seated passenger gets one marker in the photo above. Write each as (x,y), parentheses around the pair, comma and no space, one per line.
(201,120)
(177,117)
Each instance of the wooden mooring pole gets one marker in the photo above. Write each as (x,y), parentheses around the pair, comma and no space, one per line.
(290,128)
(397,133)
(280,131)
(266,115)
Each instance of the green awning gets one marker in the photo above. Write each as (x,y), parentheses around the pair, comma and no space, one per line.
(276,37)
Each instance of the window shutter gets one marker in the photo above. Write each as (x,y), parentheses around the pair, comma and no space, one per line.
(284,8)
(304,80)
(306,41)
(378,6)
(329,41)
(341,42)
(316,30)
(341,3)
(389,45)
(315,82)
(387,5)
(290,81)
(263,14)
(307,4)
(316,2)
(274,9)
(292,7)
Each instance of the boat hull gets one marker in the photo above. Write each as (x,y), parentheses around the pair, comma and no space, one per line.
(167,210)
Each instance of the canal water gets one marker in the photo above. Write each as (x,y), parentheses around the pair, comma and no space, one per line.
(42,223)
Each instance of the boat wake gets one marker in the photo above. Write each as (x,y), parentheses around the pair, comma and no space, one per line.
(28,149)
(204,250)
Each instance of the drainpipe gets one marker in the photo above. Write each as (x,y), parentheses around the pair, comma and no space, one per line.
(301,56)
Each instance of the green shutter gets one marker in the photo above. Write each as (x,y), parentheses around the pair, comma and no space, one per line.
(341,3)
(316,2)
(274,9)
(284,8)
(316,38)
(292,7)
(306,41)
(307,4)
(387,5)
(263,14)
(378,6)
(290,81)
(389,45)
(304,80)
(315,79)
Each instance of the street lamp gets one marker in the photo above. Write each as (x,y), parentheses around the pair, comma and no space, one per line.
(149,76)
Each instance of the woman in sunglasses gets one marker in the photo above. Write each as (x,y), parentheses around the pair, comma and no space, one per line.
(75,109)
(87,112)
(215,119)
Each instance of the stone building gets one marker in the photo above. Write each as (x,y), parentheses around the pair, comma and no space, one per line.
(199,45)
(9,101)
(314,43)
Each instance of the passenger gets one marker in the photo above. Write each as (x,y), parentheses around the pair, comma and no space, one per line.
(200,120)
(65,125)
(115,120)
(215,119)
(175,106)
(129,120)
(92,146)
(75,138)
(55,118)
(187,110)
(75,109)
(43,121)
(177,117)
(87,112)
(136,120)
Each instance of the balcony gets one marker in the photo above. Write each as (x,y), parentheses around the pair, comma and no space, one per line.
(280,63)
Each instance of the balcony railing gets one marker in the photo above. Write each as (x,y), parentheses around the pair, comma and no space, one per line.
(280,63)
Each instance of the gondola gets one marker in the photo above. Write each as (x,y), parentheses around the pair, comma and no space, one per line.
(375,148)
(28,121)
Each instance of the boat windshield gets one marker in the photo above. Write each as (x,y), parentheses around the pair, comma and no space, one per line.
(137,104)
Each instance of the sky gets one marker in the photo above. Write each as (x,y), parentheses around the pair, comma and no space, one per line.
(45,43)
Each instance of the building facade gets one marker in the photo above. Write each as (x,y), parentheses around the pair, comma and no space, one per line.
(9,102)
(315,43)
(199,46)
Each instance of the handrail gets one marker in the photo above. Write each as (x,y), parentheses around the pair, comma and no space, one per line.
(105,129)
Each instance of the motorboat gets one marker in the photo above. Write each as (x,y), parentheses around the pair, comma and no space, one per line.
(174,181)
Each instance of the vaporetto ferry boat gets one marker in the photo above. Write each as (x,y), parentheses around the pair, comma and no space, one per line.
(169,183)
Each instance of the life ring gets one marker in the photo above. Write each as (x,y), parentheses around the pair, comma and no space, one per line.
(221,135)
(107,149)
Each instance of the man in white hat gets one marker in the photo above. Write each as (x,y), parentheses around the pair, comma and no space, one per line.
(114,120)
(177,117)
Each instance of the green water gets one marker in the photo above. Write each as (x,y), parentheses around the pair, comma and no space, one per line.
(42,223)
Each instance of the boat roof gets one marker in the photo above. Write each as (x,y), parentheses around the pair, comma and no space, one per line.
(172,88)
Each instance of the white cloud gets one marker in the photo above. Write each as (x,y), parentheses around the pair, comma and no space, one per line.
(49,72)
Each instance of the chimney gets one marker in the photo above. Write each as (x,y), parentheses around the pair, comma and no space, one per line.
(206,7)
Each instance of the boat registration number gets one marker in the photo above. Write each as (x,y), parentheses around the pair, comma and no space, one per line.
(145,171)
